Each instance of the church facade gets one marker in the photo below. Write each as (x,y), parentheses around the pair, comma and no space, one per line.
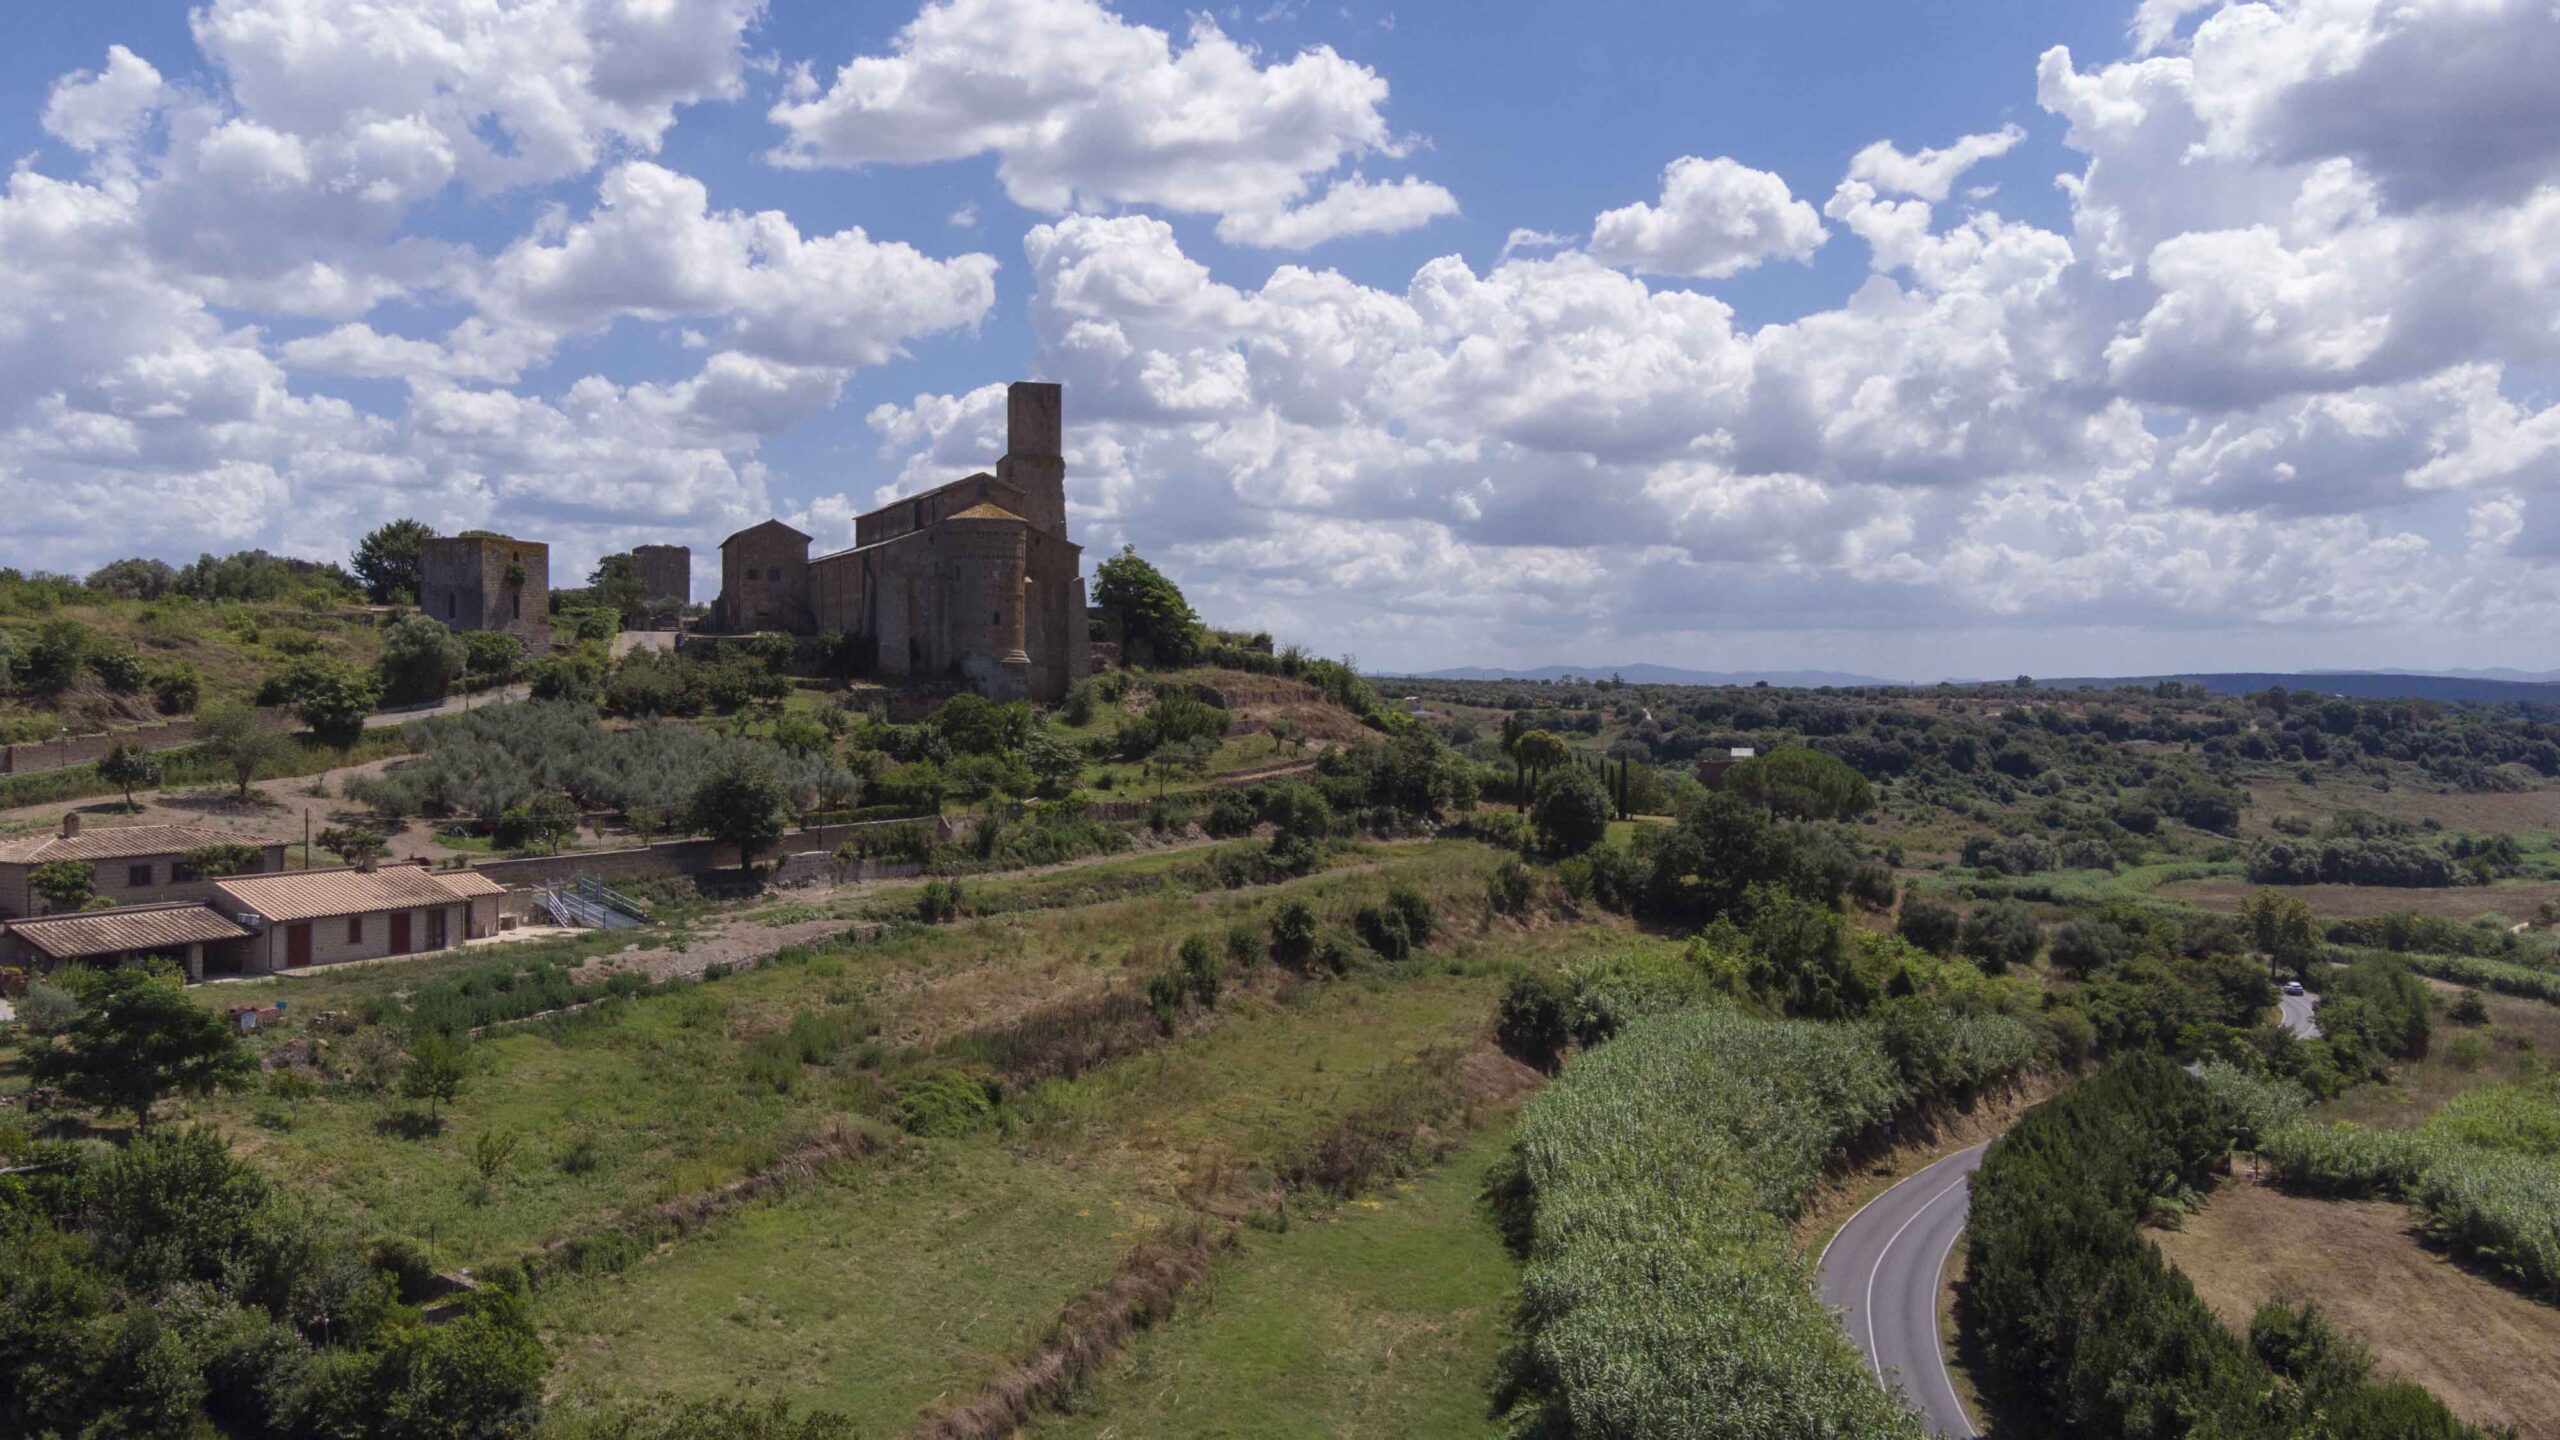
(974,580)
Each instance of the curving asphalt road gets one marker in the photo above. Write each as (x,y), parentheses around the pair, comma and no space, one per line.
(1881,1272)
(2298,1014)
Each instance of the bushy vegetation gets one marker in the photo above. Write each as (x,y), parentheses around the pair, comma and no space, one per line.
(483,764)
(165,1288)
(2088,1330)
(2360,848)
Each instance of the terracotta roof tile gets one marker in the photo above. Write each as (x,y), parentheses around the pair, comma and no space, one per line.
(133,927)
(114,842)
(984,511)
(318,894)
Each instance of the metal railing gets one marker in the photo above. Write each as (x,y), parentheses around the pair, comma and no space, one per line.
(584,902)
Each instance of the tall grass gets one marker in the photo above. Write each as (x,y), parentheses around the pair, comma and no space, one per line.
(1651,1184)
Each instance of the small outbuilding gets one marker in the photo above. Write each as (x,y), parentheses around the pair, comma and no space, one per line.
(185,932)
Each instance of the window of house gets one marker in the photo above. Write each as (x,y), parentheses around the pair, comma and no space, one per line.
(137,876)
(355,929)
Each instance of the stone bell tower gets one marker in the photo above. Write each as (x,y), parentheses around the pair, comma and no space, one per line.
(1034,432)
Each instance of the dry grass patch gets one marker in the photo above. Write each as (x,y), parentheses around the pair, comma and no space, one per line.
(2484,1350)
(2516,1043)
(2517,899)
(2508,811)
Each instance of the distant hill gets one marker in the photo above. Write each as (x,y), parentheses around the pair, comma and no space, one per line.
(2355,684)
(1660,675)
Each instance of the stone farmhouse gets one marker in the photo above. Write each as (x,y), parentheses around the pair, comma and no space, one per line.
(128,864)
(974,580)
(489,582)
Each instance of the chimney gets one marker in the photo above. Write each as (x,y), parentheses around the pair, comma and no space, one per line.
(70,824)
(364,864)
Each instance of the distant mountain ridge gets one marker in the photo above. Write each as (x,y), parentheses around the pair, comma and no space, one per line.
(1659,675)
(2480,686)
(2354,684)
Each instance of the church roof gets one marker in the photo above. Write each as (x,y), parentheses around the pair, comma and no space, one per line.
(764,525)
(984,511)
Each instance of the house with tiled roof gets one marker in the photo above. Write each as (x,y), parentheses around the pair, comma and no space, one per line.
(184,931)
(128,864)
(323,917)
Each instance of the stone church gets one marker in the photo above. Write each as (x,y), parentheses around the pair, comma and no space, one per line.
(974,580)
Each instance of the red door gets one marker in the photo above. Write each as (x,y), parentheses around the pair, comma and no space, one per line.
(400,933)
(297,945)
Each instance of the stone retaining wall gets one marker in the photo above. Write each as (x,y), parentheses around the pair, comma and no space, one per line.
(37,755)
(674,859)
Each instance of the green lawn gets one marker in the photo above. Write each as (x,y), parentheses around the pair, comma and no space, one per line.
(885,1284)
(1384,1319)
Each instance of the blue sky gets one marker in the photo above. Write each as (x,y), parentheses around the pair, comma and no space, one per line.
(1693,334)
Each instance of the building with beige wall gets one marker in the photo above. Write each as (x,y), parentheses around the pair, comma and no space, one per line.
(189,933)
(973,580)
(326,917)
(128,864)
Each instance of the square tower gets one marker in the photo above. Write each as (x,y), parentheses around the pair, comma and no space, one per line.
(489,582)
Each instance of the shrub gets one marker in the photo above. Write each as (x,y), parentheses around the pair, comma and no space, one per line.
(1201,973)
(1532,1025)
(47,1007)
(940,901)
(2468,1008)
(1245,948)
(1164,997)
(1571,811)
(1293,935)
(1511,886)
(1383,929)
(1415,910)
(1928,923)
(947,1103)
(1999,934)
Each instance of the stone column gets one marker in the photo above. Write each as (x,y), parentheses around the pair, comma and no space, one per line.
(195,960)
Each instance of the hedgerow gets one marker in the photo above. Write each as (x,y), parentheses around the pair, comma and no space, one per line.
(2086,1327)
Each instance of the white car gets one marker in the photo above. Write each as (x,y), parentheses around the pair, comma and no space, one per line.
(2293,987)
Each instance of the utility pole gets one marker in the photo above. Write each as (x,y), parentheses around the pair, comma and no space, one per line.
(306,837)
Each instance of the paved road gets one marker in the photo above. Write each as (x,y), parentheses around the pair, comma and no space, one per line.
(1881,1272)
(2298,1014)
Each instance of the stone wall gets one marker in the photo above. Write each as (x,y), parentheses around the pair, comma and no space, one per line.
(81,749)
(675,859)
